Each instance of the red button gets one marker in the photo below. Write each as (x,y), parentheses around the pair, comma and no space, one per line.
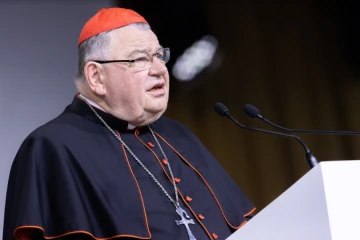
(151,144)
(165,161)
(189,199)
(201,217)
(177,180)
(215,236)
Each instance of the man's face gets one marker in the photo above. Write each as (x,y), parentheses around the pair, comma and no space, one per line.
(137,96)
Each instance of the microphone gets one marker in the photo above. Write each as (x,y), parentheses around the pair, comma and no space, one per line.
(253,112)
(223,111)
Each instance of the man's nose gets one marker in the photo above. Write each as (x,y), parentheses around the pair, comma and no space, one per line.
(157,68)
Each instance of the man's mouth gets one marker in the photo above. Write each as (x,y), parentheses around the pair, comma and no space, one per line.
(157,87)
(157,90)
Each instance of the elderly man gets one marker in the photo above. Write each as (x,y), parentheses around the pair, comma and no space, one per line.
(111,166)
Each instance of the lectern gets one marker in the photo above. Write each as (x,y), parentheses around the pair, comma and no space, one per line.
(324,204)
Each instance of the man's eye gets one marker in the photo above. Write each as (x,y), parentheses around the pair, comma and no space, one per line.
(142,59)
(159,55)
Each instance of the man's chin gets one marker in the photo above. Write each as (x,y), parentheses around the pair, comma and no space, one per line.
(150,117)
(156,115)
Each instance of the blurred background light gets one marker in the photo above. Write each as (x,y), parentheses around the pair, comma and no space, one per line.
(195,59)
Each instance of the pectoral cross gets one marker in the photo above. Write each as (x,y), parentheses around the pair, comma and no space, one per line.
(185,219)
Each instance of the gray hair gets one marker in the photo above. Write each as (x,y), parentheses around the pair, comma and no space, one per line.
(97,48)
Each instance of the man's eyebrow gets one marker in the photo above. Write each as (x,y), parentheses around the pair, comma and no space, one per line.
(145,50)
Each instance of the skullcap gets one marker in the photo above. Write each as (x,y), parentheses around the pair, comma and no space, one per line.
(107,19)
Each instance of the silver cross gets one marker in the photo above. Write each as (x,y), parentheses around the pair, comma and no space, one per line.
(185,219)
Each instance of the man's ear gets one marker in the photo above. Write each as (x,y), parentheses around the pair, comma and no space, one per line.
(94,74)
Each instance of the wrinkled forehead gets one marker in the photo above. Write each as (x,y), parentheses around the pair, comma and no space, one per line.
(132,40)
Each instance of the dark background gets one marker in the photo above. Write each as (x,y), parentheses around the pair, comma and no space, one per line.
(297,61)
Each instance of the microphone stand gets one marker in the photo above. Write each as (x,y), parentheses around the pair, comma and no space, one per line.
(223,111)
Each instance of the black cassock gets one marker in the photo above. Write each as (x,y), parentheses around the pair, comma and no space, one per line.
(72,179)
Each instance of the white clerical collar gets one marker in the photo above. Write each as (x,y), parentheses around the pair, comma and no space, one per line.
(130,127)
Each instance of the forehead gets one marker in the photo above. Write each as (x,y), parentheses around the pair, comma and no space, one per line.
(130,38)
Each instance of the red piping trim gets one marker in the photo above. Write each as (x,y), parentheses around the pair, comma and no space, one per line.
(137,184)
(25,237)
(206,185)
(182,197)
